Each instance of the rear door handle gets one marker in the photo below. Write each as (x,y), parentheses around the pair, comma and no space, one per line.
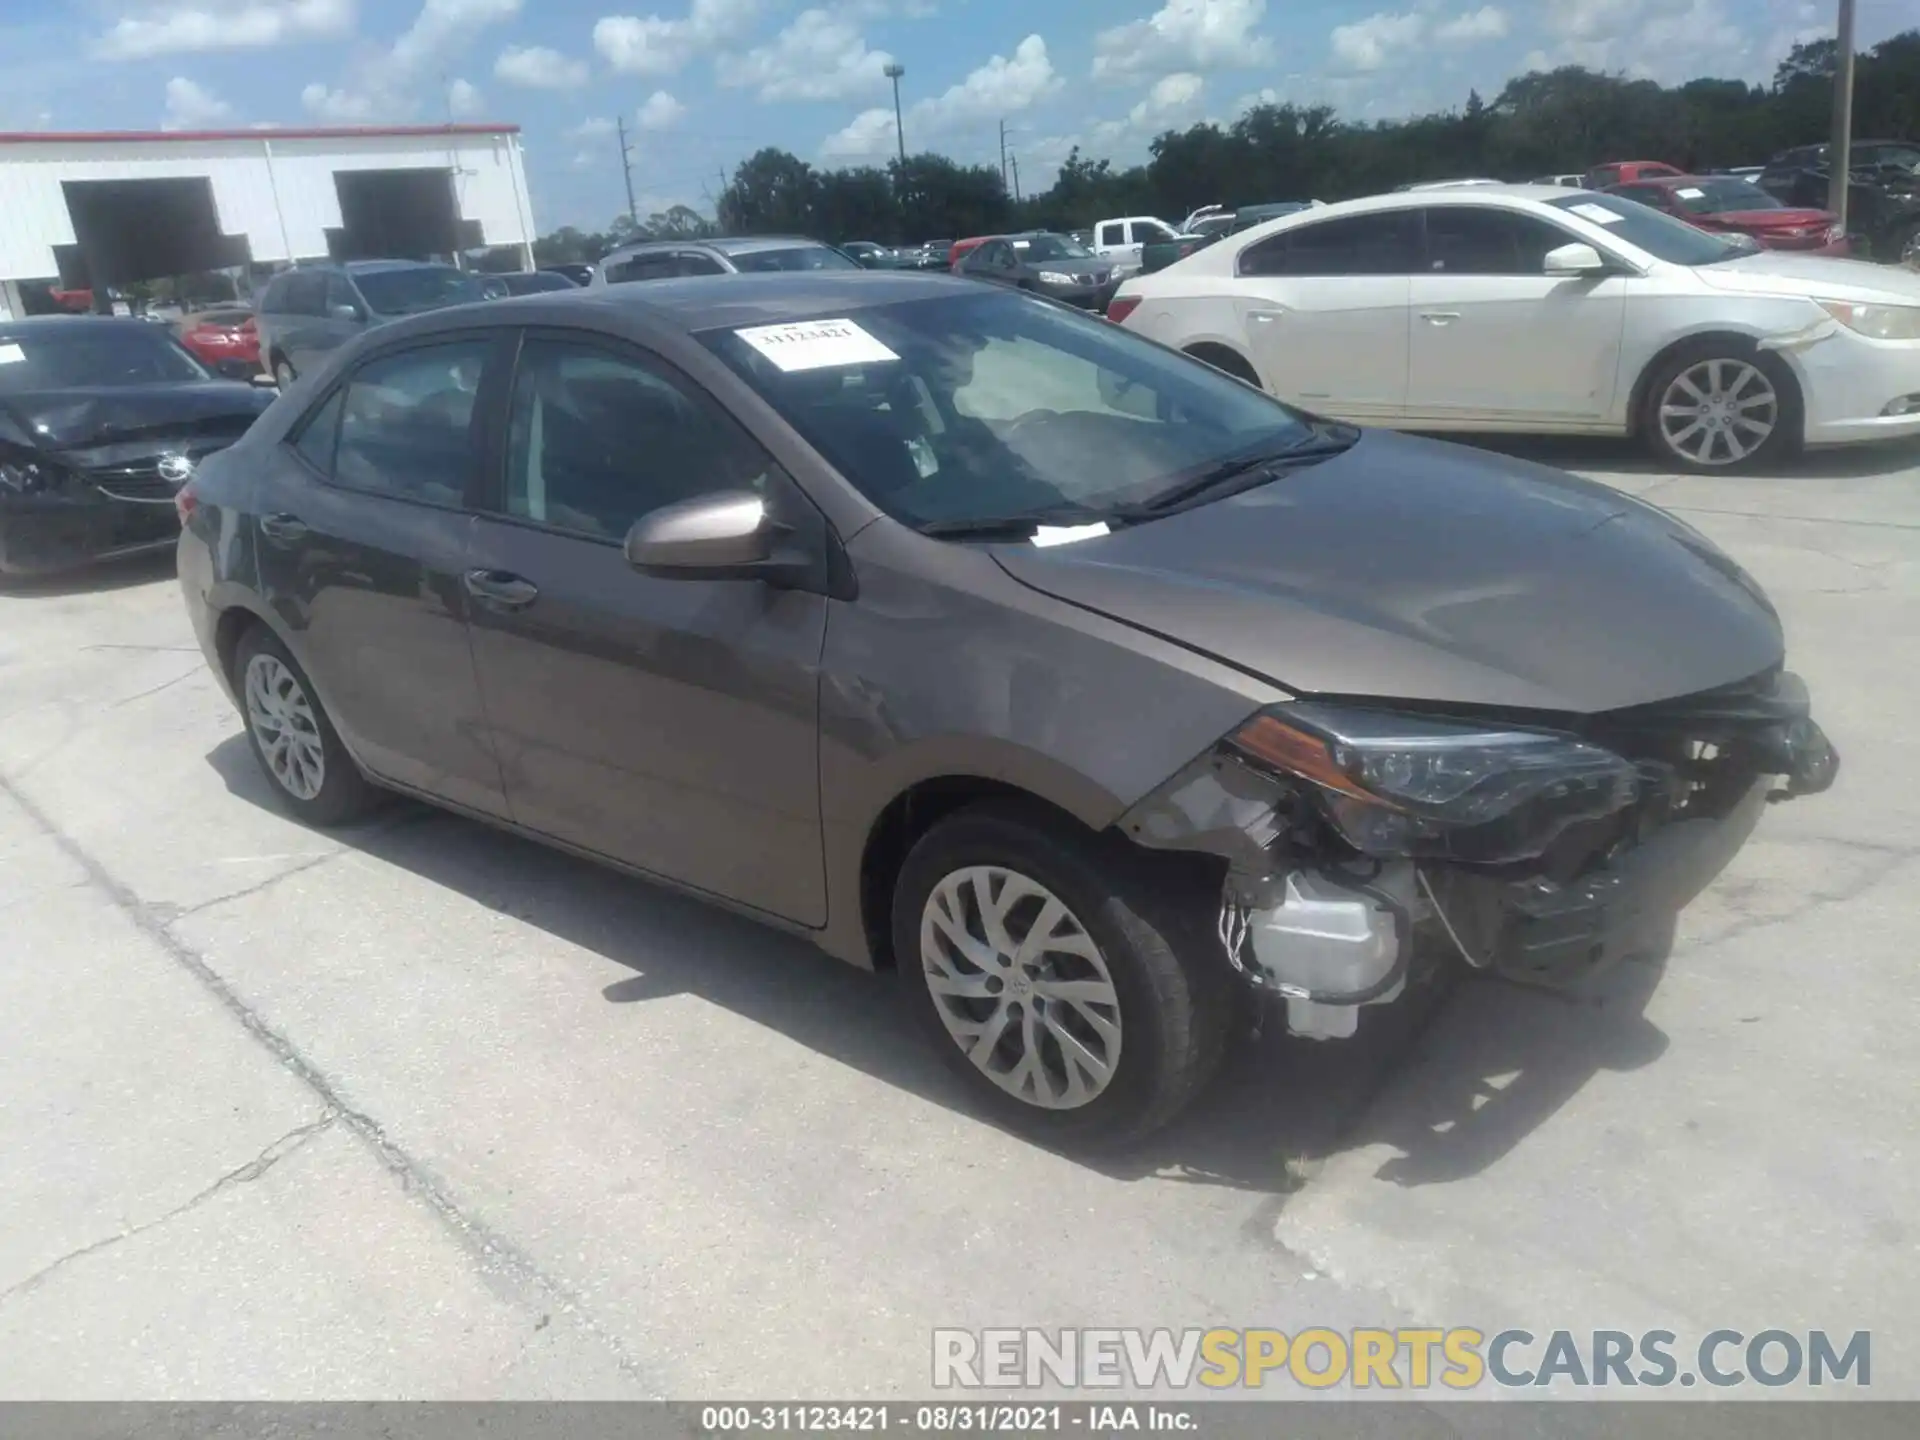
(501,589)
(1440,317)
(1267,317)
(283,529)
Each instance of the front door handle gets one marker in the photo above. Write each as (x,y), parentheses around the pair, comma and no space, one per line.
(501,589)
(1267,317)
(283,529)
(1440,317)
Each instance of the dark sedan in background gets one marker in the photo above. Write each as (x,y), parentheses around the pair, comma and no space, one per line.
(1057,266)
(1105,696)
(101,421)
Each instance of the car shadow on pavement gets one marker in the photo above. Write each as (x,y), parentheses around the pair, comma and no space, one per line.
(1608,456)
(122,574)
(1453,1076)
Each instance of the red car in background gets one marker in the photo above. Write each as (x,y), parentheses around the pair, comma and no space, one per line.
(962,248)
(222,336)
(1625,172)
(1727,204)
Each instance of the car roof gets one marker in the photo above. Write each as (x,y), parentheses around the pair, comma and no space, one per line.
(722,244)
(58,324)
(374,267)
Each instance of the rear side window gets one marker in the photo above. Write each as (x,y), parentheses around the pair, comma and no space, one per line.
(692,262)
(306,294)
(642,267)
(406,423)
(1113,234)
(1381,244)
(1604,176)
(315,440)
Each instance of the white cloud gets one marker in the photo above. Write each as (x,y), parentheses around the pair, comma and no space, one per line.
(464,99)
(1674,40)
(386,85)
(192,107)
(1170,97)
(652,45)
(535,67)
(591,129)
(661,112)
(196,25)
(1489,22)
(1370,43)
(822,55)
(1001,87)
(1183,35)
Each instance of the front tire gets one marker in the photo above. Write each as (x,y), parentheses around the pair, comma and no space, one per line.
(1079,1003)
(1721,406)
(310,771)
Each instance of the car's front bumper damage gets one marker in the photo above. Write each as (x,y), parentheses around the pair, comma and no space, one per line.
(1596,871)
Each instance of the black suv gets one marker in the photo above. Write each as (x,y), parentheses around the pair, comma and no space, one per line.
(1883,192)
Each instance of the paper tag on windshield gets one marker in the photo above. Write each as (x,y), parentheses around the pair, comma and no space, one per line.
(1690,193)
(1066,534)
(816,344)
(11,354)
(1598,214)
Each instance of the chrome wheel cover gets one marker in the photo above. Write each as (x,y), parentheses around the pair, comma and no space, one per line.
(1910,252)
(1021,986)
(284,726)
(1719,412)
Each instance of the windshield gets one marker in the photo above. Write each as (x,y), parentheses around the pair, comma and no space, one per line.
(82,357)
(800,257)
(969,407)
(1722,197)
(419,287)
(1052,247)
(1661,236)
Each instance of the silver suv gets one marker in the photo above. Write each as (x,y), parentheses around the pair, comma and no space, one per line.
(663,259)
(312,309)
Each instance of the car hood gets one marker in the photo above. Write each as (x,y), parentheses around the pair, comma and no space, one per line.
(1084,267)
(1782,272)
(67,419)
(1789,219)
(1416,570)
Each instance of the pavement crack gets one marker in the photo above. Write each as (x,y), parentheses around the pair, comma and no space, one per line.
(245,1174)
(492,1253)
(163,685)
(175,915)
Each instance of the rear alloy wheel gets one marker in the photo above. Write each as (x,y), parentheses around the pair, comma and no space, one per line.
(1907,247)
(1716,412)
(283,374)
(292,738)
(1073,991)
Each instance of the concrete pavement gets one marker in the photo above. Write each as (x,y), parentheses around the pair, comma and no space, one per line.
(420,1110)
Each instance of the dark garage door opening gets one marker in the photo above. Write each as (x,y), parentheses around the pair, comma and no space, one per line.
(399,215)
(130,230)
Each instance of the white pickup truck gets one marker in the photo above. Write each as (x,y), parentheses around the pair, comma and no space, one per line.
(1121,240)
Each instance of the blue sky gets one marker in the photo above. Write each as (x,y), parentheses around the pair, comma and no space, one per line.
(703,83)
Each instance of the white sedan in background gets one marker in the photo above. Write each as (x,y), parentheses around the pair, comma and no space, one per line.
(1544,310)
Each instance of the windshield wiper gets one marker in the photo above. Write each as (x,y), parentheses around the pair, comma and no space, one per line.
(1320,441)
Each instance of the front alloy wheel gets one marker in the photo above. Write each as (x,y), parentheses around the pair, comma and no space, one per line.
(1021,987)
(284,725)
(1718,413)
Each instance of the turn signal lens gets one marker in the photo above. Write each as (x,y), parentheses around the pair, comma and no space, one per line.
(185,502)
(1297,753)
(1121,306)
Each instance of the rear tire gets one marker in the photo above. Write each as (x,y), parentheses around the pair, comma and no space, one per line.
(1719,406)
(1227,363)
(1090,995)
(306,765)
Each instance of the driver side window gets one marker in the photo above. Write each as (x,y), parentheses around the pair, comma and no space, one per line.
(599,438)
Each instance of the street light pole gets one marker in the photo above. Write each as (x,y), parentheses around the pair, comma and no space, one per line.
(893,73)
(1840,150)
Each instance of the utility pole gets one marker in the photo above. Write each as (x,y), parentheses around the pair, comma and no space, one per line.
(1016,178)
(1840,151)
(893,73)
(1003,154)
(626,169)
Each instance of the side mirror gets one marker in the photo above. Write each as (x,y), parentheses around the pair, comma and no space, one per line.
(1576,260)
(725,536)
(346,312)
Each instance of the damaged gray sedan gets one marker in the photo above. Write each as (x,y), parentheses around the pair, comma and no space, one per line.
(1102,696)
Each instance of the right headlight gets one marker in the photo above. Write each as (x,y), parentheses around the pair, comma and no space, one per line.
(1877,322)
(1408,785)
